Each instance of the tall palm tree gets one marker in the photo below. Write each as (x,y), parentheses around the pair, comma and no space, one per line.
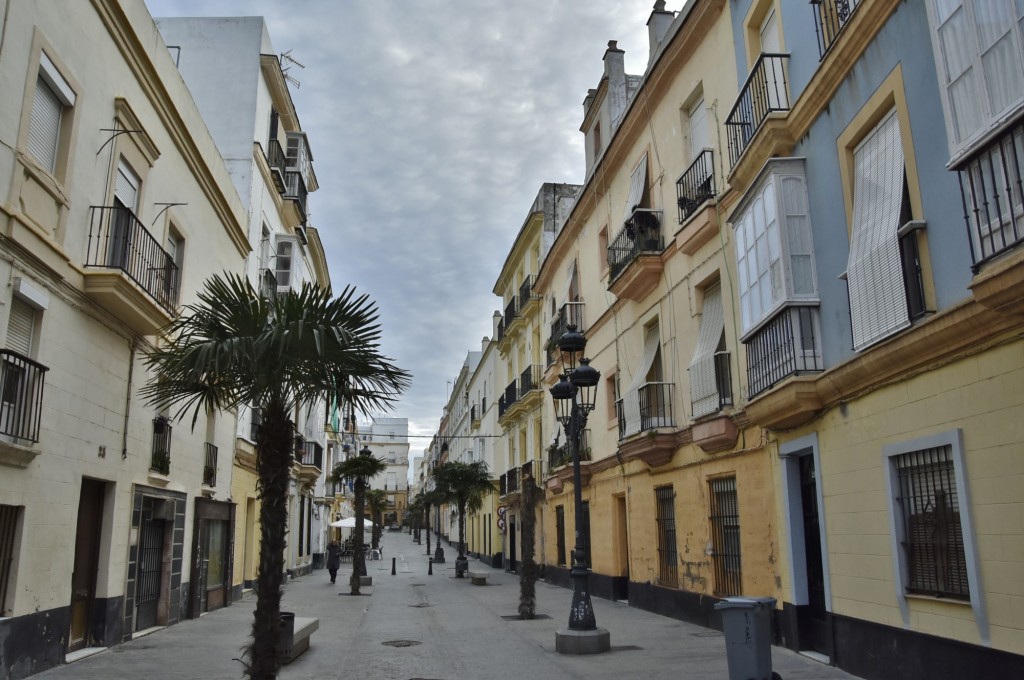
(431,499)
(413,515)
(358,470)
(235,347)
(464,485)
(376,503)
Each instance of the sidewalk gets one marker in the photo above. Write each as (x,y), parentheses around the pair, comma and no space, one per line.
(412,625)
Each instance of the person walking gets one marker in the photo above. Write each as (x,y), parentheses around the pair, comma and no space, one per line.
(333,559)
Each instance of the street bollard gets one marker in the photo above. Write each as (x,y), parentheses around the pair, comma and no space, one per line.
(430,567)
(392,566)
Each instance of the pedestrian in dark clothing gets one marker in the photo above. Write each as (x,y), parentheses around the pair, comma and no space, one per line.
(333,559)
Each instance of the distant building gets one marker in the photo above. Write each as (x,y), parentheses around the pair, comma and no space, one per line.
(388,438)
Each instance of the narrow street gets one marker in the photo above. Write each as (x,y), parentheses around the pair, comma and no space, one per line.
(457,631)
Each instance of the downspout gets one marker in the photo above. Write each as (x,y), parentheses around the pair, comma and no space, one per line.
(128,399)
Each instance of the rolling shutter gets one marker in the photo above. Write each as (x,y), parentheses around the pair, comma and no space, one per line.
(20,327)
(878,300)
(44,125)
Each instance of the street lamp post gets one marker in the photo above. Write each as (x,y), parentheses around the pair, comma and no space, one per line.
(574,396)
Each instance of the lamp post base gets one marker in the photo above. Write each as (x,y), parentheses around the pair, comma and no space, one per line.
(439,554)
(596,641)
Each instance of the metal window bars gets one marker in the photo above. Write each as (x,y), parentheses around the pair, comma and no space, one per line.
(725,537)
(668,570)
(21,396)
(210,466)
(787,345)
(560,534)
(160,460)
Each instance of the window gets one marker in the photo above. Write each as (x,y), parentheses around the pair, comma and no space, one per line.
(53,97)
(9,515)
(283,263)
(883,271)
(597,139)
(710,379)
(665,518)
(172,268)
(21,379)
(774,251)
(637,190)
(978,47)
(160,461)
(700,138)
(644,405)
(21,327)
(725,537)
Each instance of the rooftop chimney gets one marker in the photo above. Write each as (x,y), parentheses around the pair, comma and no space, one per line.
(615,72)
(657,26)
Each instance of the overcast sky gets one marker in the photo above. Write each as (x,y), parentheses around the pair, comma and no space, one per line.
(433,124)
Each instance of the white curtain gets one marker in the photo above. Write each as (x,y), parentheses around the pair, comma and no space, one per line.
(703,385)
(631,398)
(637,184)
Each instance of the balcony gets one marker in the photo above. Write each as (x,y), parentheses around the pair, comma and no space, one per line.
(696,185)
(789,344)
(527,297)
(160,457)
(210,466)
(559,456)
(276,161)
(268,283)
(993,195)
(21,396)
(569,314)
(311,454)
(830,16)
(295,191)
(255,420)
(508,399)
(127,272)
(764,92)
(634,256)
(648,407)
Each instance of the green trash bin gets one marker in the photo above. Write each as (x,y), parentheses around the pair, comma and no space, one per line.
(747,623)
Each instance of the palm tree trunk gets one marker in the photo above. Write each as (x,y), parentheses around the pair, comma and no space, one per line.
(274,462)
(462,529)
(358,563)
(528,570)
(428,529)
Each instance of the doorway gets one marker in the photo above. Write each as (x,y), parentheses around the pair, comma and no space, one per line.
(86,564)
(149,576)
(620,537)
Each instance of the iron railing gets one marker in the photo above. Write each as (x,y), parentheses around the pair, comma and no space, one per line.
(510,397)
(560,455)
(276,161)
(210,466)
(648,407)
(8,530)
(725,537)
(696,185)
(830,16)
(530,380)
(255,420)
(503,485)
(526,291)
(295,190)
(763,92)
(723,379)
(312,454)
(668,569)
(21,396)
(510,312)
(993,195)
(160,460)
(118,240)
(512,480)
(787,345)
(641,234)
(268,283)
(569,314)
(501,328)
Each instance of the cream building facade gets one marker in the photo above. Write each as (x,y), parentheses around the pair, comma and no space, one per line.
(116,206)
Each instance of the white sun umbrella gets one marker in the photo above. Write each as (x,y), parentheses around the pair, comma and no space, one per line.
(350,523)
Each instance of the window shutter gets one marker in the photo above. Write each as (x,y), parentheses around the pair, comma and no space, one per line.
(878,301)
(44,125)
(284,264)
(699,139)
(126,187)
(631,399)
(637,184)
(20,326)
(703,386)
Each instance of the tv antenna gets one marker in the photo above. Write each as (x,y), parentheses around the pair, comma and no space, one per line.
(286,57)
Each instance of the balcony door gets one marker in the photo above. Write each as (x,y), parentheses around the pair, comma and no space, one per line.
(15,379)
(126,199)
(774,82)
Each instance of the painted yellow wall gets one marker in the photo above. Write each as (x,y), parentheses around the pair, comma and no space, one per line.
(243,492)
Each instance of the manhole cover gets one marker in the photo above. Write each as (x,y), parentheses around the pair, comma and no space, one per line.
(401,643)
(516,617)
(420,605)
(417,585)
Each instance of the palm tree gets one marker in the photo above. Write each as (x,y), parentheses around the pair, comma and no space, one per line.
(432,498)
(376,503)
(528,568)
(235,347)
(358,470)
(413,515)
(464,485)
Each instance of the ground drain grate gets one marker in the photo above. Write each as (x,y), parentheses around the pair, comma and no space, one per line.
(516,617)
(402,643)
(417,585)
(420,605)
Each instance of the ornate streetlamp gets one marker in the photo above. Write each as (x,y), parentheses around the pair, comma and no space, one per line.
(574,395)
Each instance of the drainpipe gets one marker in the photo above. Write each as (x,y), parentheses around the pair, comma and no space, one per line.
(128,399)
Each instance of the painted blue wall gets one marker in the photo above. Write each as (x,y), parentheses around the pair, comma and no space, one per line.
(904,40)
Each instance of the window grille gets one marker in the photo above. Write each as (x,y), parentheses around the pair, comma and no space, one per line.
(668,573)
(933,535)
(560,533)
(725,536)
(160,461)
(8,529)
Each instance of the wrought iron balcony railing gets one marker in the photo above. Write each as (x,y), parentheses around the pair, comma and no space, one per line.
(560,455)
(160,459)
(648,407)
(569,314)
(268,283)
(295,190)
(503,485)
(763,92)
(530,380)
(830,16)
(312,453)
(255,420)
(723,379)
(510,312)
(276,161)
(21,395)
(512,480)
(526,291)
(787,345)
(993,195)
(210,466)
(118,240)
(696,185)
(642,233)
